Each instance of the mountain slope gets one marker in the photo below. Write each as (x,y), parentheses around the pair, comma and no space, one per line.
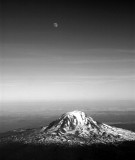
(72,128)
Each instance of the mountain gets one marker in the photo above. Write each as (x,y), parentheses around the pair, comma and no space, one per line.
(73,136)
(72,128)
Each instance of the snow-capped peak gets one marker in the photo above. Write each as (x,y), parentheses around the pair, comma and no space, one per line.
(74,128)
(79,124)
(71,122)
(77,116)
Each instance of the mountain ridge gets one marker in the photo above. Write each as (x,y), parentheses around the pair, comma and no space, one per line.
(72,128)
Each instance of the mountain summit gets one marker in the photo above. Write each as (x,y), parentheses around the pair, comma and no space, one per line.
(76,125)
(72,122)
(72,128)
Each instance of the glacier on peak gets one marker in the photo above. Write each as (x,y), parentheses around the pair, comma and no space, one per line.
(79,124)
(72,121)
(73,128)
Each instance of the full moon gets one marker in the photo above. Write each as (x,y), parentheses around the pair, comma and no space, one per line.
(55,24)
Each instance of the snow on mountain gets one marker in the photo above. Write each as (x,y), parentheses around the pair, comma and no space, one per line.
(73,128)
(72,122)
(79,124)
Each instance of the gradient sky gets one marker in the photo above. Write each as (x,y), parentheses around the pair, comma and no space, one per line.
(89,56)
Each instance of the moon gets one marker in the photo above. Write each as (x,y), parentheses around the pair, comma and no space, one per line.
(55,24)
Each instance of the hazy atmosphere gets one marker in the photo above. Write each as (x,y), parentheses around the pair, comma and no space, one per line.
(67,80)
(66,51)
(88,55)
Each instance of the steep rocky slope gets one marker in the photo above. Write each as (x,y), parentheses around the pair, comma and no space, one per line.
(72,128)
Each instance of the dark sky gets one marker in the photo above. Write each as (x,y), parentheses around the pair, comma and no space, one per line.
(89,55)
(81,24)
